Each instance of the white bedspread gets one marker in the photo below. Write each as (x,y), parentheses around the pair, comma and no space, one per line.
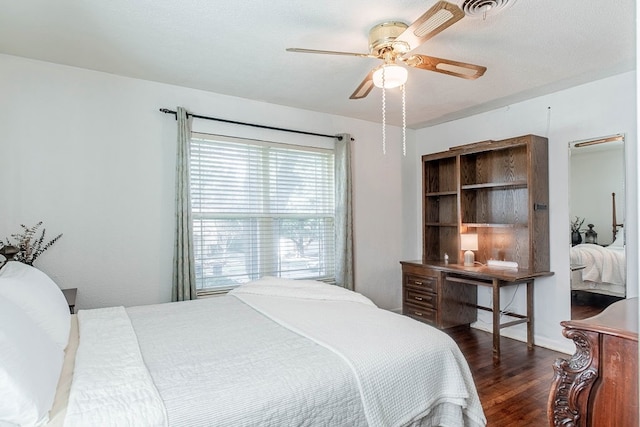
(218,362)
(338,361)
(602,264)
(406,371)
(111,385)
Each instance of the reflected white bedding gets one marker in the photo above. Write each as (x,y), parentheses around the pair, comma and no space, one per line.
(601,264)
(275,358)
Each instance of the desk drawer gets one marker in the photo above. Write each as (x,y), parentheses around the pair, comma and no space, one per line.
(422,282)
(422,299)
(421,313)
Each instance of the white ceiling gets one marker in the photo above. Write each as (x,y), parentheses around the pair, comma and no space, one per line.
(237,47)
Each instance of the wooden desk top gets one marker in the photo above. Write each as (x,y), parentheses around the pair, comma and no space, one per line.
(619,319)
(483,272)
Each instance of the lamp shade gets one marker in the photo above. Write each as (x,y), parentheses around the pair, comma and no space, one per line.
(469,242)
(394,76)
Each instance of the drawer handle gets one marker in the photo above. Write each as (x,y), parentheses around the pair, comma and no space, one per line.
(418,298)
(418,283)
(417,313)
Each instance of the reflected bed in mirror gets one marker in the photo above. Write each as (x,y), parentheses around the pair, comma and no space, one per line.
(597,199)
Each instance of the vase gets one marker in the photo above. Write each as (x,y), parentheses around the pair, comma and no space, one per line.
(576,238)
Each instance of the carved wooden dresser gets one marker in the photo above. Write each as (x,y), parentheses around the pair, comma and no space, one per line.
(598,386)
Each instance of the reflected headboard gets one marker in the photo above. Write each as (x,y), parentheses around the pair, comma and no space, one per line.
(614,224)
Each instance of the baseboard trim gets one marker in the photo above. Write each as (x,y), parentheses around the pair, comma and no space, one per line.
(565,346)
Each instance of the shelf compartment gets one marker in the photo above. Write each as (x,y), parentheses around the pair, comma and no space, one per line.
(504,243)
(440,176)
(495,206)
(441,210)
(504,165)
(440,240)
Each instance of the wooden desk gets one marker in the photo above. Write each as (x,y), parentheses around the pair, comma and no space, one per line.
(452,284)
(598,386)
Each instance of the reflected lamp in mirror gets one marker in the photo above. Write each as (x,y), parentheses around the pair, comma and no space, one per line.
(469,243)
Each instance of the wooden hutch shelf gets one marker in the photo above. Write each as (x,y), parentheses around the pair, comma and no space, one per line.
(497,189)
(497,185)
(442,193)
(476,225)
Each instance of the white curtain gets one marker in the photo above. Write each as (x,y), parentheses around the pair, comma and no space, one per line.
(184,278)
(344,221)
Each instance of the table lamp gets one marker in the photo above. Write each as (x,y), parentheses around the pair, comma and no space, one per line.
(469,243)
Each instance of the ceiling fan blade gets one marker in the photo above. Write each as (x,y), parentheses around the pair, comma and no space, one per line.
(329,52)
(441,15)
(364,88)
(445,66)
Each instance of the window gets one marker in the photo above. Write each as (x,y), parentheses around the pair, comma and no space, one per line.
(260,209)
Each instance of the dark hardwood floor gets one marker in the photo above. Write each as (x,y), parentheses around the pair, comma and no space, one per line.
(514,392)
(587,304)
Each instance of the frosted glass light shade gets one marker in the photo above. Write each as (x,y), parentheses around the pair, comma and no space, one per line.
(394,76)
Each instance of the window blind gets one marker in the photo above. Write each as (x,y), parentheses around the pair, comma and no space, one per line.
(261,209)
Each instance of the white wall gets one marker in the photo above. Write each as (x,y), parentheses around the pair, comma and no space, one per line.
(89,154)
(599,108)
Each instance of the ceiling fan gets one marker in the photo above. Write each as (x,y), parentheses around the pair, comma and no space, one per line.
(393,41)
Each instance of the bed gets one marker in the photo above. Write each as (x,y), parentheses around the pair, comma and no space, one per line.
(273,352)
(599,269)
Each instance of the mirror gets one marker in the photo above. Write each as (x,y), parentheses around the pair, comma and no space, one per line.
(597,216)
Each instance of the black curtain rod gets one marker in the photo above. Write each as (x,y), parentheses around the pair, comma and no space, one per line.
(197,116)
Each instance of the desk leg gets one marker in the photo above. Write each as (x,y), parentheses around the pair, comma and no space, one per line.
(530,314)
(496,320)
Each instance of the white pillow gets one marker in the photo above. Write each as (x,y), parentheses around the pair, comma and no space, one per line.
(30,366)
(39,297)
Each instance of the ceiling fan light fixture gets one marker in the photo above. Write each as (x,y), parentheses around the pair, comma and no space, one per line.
(394,76)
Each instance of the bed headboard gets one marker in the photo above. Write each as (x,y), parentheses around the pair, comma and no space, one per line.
(614,224)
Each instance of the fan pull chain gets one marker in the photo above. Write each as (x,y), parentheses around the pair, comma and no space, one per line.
(384,115)
(404,122)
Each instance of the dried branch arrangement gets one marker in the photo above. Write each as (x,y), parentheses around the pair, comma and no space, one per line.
(576,224)
(29,245)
